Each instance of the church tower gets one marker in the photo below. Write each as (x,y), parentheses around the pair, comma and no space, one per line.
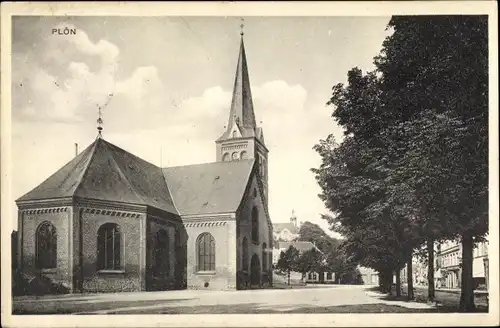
(243,139)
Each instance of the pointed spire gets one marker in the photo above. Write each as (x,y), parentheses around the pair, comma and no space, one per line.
(241,105)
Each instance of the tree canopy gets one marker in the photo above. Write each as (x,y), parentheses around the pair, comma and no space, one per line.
(413,163)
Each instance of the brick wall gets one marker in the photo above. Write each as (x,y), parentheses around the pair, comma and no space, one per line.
(28,224)
(132,230)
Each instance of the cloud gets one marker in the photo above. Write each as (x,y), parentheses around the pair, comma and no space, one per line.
(56,87)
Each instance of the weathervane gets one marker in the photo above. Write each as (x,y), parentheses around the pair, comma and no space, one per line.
(99,122)
(242,26)
(99,118)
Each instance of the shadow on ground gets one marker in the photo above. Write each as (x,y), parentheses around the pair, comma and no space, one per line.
(83,306)
(255,308)
(446,302)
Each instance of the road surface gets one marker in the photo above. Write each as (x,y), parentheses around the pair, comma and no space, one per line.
(310,299)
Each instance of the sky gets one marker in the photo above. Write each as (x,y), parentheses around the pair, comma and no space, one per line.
(171,80)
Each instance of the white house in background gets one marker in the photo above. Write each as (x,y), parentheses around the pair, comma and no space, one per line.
(287,231)
(369,276)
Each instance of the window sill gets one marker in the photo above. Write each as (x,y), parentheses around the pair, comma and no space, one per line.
(205,273)
(52,270)
(111,271)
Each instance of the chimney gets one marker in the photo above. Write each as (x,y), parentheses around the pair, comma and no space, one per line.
(76,149)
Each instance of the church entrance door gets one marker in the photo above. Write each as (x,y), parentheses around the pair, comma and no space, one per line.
(255,271)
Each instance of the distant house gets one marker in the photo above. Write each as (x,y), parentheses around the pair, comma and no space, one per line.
(287,231)
(369,276)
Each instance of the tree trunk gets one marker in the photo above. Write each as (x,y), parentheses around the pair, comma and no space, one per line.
(386,278)
(431,295)
(383,282)
(409,276)
(289,278)
(467,289)
(398,282)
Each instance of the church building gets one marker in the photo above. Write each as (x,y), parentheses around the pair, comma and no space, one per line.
(109,221)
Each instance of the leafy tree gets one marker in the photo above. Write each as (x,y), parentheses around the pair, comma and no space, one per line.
(310,261)
(336,260)
(414,161)
(370,209)
(288,261)
(435,78)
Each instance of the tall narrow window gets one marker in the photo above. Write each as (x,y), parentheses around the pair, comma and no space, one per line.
(108,247)
(264,256)
(244,254)
(46,246)
(206,252)
(255,225)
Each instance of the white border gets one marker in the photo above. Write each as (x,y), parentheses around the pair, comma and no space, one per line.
(309,8)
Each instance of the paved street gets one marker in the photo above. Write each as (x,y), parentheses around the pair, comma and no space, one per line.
(312,299)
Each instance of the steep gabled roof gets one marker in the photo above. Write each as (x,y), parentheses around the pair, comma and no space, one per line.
(209,188)
(301,246)
(104,171)
(278,227)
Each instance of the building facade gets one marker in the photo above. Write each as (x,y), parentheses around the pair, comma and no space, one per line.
(110,221)
(448,264)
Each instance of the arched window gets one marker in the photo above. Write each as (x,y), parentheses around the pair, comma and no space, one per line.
(46,246)
(264,256)
(244,155)
(206,252)
(235,156)
(108,247)
(234,134)
(225,157)
(255,225)
(244,254)
(161,259)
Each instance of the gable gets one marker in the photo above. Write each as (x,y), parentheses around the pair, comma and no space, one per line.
(210,188)
(255,185)
(235,131)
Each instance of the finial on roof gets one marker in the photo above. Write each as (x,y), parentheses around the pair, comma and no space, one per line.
(99,123)
(99,119)
(242,25)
